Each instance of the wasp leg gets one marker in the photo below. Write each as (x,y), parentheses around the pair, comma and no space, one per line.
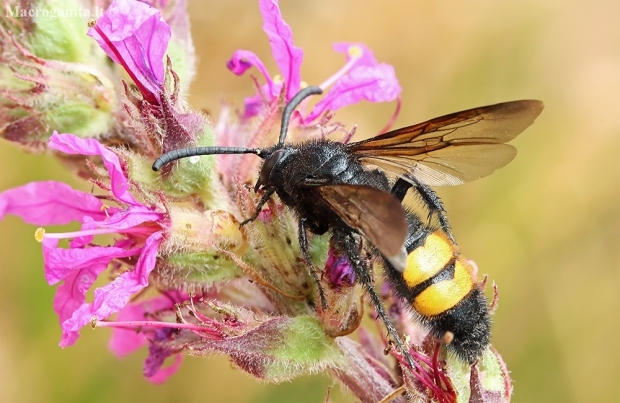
(259,206)
(429,198)
(303,247)
(400,188)
(347,243)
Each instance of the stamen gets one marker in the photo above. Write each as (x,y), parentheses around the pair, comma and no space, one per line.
(355,53)
(389,124)
(429,375)
(150,323)
(40,233)
(394,394)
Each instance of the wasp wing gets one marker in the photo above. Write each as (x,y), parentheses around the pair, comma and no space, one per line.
(451,149)
(375,214)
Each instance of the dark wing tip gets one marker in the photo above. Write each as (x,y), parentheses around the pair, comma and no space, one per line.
(533,106)
(537,106)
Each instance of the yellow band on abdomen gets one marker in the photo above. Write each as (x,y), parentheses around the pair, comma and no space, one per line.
(442,296)
(427,260)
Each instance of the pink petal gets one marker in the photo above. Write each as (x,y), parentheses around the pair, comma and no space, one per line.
(120,220)
(253,105)
(70,144)
(71,294)
(135,36)
(163,374)
(371,83)
(266,93)
(125,341)
(60,262)
(367,58)
(159,351)
(129,218)
(288,57)
(242,60)
(49,203)
(114,296)
(82,241)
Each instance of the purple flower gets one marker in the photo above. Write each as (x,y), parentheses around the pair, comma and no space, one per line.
(158,353)
(339,270)
(135,36)
(138,227)
(366,80)
(361,78)
(125,341)
(288,57)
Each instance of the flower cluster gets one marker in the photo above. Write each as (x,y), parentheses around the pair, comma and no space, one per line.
(184,276)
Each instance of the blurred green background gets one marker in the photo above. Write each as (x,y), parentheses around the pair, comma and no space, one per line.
(545,228)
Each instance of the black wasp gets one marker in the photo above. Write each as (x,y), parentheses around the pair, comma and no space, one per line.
(343,188)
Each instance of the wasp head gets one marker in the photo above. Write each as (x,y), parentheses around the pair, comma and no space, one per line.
(273,161)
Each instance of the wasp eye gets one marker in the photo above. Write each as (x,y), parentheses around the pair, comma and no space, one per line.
(267,167)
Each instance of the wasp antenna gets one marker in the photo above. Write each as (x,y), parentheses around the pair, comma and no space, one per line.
(195,151)
(292,105)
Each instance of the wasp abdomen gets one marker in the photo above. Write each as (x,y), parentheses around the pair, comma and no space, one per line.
(441,287)
(436,276)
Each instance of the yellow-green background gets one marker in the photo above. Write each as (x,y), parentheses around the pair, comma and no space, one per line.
(545,228)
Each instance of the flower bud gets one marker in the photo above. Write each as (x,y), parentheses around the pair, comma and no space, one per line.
(192,256)
(53,78)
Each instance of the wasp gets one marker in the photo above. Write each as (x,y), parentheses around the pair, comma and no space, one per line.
(344,188)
